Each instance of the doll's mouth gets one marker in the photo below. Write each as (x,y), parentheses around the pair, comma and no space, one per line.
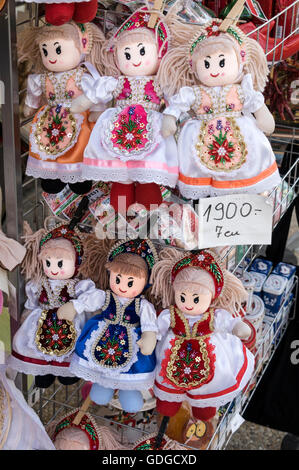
(123,291)
(52,62)
(191,308)
(214,76)
(137,65)
(54,274)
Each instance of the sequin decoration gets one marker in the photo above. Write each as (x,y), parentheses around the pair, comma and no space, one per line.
(54,337)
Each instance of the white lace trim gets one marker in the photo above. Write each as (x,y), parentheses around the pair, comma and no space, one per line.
(105,370)
(5,415)
(44,156)
(44,173)
(142,381)
(146,175)
(37,369)
(194,192)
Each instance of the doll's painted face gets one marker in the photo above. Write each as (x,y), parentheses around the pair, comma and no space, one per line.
(58,267)
(192,299)
(59,55)
(217,69)
(136,58)
(127,286)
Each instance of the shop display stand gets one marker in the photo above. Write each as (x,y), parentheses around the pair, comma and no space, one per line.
(23,202)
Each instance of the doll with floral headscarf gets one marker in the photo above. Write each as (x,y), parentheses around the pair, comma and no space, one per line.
(45,341)
(219,74)
(126,146)
(115,350)
(200,357)
(57,136)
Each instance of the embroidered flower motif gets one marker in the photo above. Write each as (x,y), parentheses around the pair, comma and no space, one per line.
(98,348)
(221,150)
(213,30)
(201,257)
(129,131)
(219,125)
(122,342)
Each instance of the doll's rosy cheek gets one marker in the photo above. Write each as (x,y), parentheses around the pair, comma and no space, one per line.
(148,62)
(62,272)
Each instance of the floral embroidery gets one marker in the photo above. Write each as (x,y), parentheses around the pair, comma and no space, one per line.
(86,424)
(56,130)
(221,150)
(112,349)
(52,336)
(213,29)
(130,129)
(149,444)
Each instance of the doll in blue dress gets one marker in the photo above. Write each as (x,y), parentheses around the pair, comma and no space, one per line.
(115,350)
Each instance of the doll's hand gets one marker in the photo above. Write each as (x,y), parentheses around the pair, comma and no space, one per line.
(147,342)
(81,104)
(241,330)
(168,126)
(27,111)
(265,120)
(66,312)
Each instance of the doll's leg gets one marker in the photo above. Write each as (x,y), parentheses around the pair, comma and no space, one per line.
(59,14)
(68,380)
(168,408)
(122,195)
(130,400)
(85,11)
(44,381)
(204,414)
(101,395)
(52,186)
(147,194)
(81,188)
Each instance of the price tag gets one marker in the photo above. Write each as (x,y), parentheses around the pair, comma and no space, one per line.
(236,219)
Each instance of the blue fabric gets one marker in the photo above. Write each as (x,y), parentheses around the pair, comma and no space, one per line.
(101,395)
(131,400)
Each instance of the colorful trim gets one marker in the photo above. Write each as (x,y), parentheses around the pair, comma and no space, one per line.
(39,362)
(130,165)
(142,247)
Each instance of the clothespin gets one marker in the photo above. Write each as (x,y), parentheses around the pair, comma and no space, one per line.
(86,404)
(158,4)
(233,16)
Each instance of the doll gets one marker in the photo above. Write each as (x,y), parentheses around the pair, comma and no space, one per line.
(126,145)
(59,12)
(219,74)
(200,357)
(58,137)
(44,343)
(116,347)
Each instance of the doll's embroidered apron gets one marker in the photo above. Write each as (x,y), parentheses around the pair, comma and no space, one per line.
(132,132)
(53,336)
(190,361)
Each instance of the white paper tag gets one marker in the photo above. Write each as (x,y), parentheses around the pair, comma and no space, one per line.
(236,219)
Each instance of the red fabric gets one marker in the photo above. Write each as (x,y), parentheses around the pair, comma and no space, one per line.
(167,408)
(147,194)
(120,190)
(40,362)
(85,11)
(204,414)
(58,14)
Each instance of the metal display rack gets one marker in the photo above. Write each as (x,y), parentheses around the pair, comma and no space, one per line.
(23,202)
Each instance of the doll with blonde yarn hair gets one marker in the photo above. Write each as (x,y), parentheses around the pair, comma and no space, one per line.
(200,357)
(219,74)
(58,56)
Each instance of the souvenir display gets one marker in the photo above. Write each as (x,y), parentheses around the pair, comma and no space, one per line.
(115,350)
(57,136)
(46,339)
(200,356)
(126,145)
(219,74)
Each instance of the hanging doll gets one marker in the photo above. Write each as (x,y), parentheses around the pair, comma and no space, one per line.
(57,136)
(115,350)
(126,145)
(45,341)
(219,74)
(200,357)
(58,12)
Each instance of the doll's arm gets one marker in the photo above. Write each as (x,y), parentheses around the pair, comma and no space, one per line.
(241,330)
(34,94)
(32,295)
(178,104)
(265,120)
(225,322)
(95,91)
(149,328)
(89,299)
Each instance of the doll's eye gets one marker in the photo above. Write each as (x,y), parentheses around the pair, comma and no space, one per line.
(130,283)
(60,263)
(48,264)
(207,64)
(182,299)
(45,52)
(128,56)
(117,280)
(196,300)
(142,51)
(222,63)
(58,50)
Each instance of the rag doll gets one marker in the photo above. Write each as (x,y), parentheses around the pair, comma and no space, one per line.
(58,12)
(57,136)
(200,356)
(219,75)
(115,350)
(126,145)
(45,341)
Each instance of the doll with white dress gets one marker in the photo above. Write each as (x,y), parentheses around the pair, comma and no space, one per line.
(58,137)
(45,341)
(126,146)
(115,350)
(200,356)
(218,74)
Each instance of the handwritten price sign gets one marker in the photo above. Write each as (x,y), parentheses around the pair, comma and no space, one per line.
(237,219)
